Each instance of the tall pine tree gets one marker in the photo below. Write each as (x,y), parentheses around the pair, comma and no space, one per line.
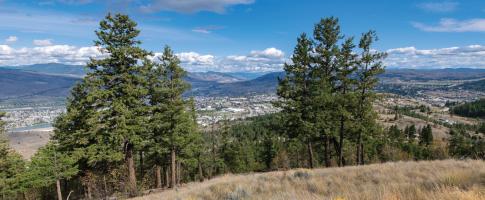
(295,91)
(369,67)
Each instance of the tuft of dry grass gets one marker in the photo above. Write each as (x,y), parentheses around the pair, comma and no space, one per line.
(430,180)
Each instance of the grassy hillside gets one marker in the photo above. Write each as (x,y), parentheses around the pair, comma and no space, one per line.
(448,179)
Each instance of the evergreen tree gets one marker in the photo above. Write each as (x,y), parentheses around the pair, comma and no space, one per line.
(11,167)
(370,66)
(49,166)
(426,135)
(345,97)
(294,90)
(176,127)
(411,133)
(106,119)
(325,84)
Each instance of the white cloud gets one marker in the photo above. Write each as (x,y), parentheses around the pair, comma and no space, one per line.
(268,53)
(472,56)
(453,25)
(270,59)
(47,54)
(267,60)
(441,7)
(191,6)
(11,39)
(46,42)
(193,58)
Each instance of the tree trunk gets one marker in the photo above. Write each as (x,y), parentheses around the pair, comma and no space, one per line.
(362,161)
(337,147)
(201,174)
(310,154)
(59,193)
(167,177)
(173,170)
(179,172)
(158,176)
(130,164)
(358,152)
(105,186)
(87,185)
(326,148)
(341,143)
(141,165)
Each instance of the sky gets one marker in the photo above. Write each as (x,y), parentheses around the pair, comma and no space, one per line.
(245,35)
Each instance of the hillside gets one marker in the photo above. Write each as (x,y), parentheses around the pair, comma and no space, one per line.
(474,85)
(448,179)
(471,109)
(434,74)
(17,85)
(54,69)
(44,82)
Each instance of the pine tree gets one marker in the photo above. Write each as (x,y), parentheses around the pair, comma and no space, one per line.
(344,84)
(105,121)
(295,92)
(411,133)
(176,127)
(426,135)
(370,66)
(49,166)
(11,166)
(324,84)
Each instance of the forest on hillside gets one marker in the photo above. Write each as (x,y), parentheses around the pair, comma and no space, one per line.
(128,127)
(475,109)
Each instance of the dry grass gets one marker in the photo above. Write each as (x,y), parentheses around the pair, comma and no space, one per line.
(430,180)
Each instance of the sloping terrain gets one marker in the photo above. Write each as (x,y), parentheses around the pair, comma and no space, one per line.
(434,74)
(17,85)
(430,180)
(474,85)
(55,80)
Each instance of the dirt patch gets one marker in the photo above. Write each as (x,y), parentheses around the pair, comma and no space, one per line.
(27,143)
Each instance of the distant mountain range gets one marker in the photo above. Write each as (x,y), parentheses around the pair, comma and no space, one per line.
(53,69)
(45,82)
(434,74)
(52,82)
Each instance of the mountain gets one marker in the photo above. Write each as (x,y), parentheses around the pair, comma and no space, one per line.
(23,86)
(46,84)
(53,81)
(261,85)
(215,77)
(80,71)
(473,85)
(434,74)
(54,69)
(246,75)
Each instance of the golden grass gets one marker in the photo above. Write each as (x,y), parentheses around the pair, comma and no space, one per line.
(430,180)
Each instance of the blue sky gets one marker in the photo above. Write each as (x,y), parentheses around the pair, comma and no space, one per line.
(245,35)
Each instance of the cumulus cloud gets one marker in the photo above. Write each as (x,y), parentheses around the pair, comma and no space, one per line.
(268,53)
(47,54)
(46,42)
(186,6)
(472,56)
(453,25)
(267,60)
(441,7)
(11,39)
(270,59)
